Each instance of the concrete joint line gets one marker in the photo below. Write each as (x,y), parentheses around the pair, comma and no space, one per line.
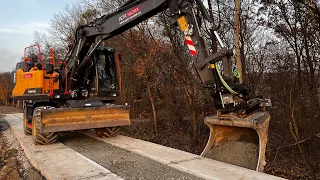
(185,160)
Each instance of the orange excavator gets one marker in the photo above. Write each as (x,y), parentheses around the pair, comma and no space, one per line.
(78,92)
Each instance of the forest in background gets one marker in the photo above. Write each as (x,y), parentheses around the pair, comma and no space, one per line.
(279,49)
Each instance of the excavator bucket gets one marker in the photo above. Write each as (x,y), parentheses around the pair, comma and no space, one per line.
(69,119)
(238,141)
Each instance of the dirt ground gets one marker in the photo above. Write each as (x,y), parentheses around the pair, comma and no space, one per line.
(14,165)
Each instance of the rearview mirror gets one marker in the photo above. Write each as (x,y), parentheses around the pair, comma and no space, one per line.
(49,68)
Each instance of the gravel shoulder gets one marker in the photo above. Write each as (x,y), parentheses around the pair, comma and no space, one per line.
(14,165)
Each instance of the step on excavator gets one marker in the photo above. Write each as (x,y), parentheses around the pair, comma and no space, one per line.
(77,93)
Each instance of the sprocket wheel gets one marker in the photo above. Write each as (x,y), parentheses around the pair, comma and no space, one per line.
(41,138)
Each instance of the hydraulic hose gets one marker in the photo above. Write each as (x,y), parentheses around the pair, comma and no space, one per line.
(223,81)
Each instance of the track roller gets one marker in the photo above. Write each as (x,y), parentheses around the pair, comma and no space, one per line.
(41,138)
(108,131)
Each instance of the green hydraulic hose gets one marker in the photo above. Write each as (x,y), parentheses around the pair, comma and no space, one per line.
(224,82)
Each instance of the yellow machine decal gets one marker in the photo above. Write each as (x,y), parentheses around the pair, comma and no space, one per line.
(182,23)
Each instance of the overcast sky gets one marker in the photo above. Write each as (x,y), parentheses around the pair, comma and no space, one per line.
(18,20)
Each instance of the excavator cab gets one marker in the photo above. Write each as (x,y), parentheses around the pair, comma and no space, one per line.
(107,72)
(101,78)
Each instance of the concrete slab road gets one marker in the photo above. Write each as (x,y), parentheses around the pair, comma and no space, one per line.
(85,156)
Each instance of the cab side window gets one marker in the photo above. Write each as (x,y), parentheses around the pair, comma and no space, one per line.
(19,65)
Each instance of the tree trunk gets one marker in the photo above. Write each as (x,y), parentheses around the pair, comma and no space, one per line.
(243,60)
(155,122)
(298,68)
(132,108)
(194,116)
(312,79)
(132,91)
(214,44)
(237,39)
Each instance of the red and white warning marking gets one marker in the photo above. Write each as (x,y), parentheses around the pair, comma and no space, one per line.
(190,44)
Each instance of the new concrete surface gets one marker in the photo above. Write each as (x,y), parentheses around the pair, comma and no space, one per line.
(183,161)
(124,163)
